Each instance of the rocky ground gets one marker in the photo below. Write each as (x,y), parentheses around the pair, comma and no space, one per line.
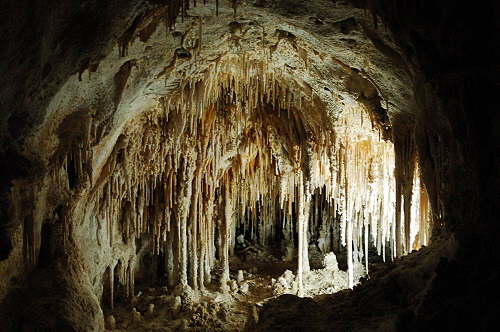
(163,309)
(261,297)
(386,301)
(256,278)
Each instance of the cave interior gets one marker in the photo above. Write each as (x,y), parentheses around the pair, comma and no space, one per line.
(258,165)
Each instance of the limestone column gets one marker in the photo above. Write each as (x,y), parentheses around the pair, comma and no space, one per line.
(184,202)
(226,223)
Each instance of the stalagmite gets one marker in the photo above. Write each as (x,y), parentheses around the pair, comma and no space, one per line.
(110,322)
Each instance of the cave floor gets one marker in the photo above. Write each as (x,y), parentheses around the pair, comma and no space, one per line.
(162,309)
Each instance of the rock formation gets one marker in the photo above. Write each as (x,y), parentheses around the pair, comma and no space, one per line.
(142,138)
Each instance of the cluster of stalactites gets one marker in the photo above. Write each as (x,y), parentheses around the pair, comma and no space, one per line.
(123,273)
(349,194)
(204,159)
(242,152)
(369,179)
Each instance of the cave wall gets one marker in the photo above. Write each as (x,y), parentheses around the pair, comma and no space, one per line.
(455,67)
(458,73)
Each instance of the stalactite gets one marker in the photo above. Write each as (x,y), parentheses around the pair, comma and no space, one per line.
(183,10)
(404,147)
(169,256)
(29,242)
(366,247)
(111,287)
(132,278)
(300,263)
(349,222)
